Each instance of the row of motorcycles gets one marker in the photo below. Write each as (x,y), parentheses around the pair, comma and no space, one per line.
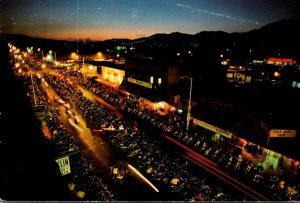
(83,174)
(217,152)
(146,154)
(225,159)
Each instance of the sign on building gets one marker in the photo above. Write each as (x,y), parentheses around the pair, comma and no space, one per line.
(215,129)
(139,82)
(64,165)
(282,133)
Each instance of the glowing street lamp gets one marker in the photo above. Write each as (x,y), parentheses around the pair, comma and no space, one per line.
(74,55)
(99,55)
(276,74)
(49,57)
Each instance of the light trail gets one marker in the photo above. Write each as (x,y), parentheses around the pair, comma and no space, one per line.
(143,177)
(74,125)
(191,151)
(77,120)
(228,179)
(61,101)
(97,130)
(212,168)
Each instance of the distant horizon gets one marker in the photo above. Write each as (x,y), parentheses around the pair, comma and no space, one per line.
(123,38)
(101,20)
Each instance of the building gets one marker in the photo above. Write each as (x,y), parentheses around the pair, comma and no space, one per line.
(149,78)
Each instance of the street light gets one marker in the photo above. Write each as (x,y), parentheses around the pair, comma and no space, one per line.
(190,98)
(33,90)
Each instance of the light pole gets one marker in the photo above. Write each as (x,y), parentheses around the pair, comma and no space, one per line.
(33,90)
(54,56)
(190,98)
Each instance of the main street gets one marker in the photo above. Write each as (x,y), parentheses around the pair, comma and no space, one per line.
(92,142)
(101,154)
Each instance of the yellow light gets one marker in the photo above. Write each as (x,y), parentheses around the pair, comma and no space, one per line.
(74,125)
(50,52)
(17,65)
(43,66)
(61,101)
(276,74)
(73,55)
(151,79)
(159,81)
(99,54)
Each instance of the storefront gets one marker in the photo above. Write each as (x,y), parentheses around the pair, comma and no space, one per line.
(212,128)
(113,75)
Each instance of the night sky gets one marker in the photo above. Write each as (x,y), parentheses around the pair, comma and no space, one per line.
(106,19)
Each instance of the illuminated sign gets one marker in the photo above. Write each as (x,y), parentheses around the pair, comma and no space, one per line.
(282,133)
(64,165)
(141,83)
(229,75)
(296,84)
(113,75)
(213,128)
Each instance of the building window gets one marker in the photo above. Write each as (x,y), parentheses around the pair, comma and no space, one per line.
(151,79)
(159,81)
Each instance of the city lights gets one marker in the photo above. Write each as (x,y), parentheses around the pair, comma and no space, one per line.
(169,99)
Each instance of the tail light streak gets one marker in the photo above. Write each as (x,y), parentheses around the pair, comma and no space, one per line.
(74,125)
(143,177)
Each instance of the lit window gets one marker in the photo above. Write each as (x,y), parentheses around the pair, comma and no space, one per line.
(159,81)
(151,79)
